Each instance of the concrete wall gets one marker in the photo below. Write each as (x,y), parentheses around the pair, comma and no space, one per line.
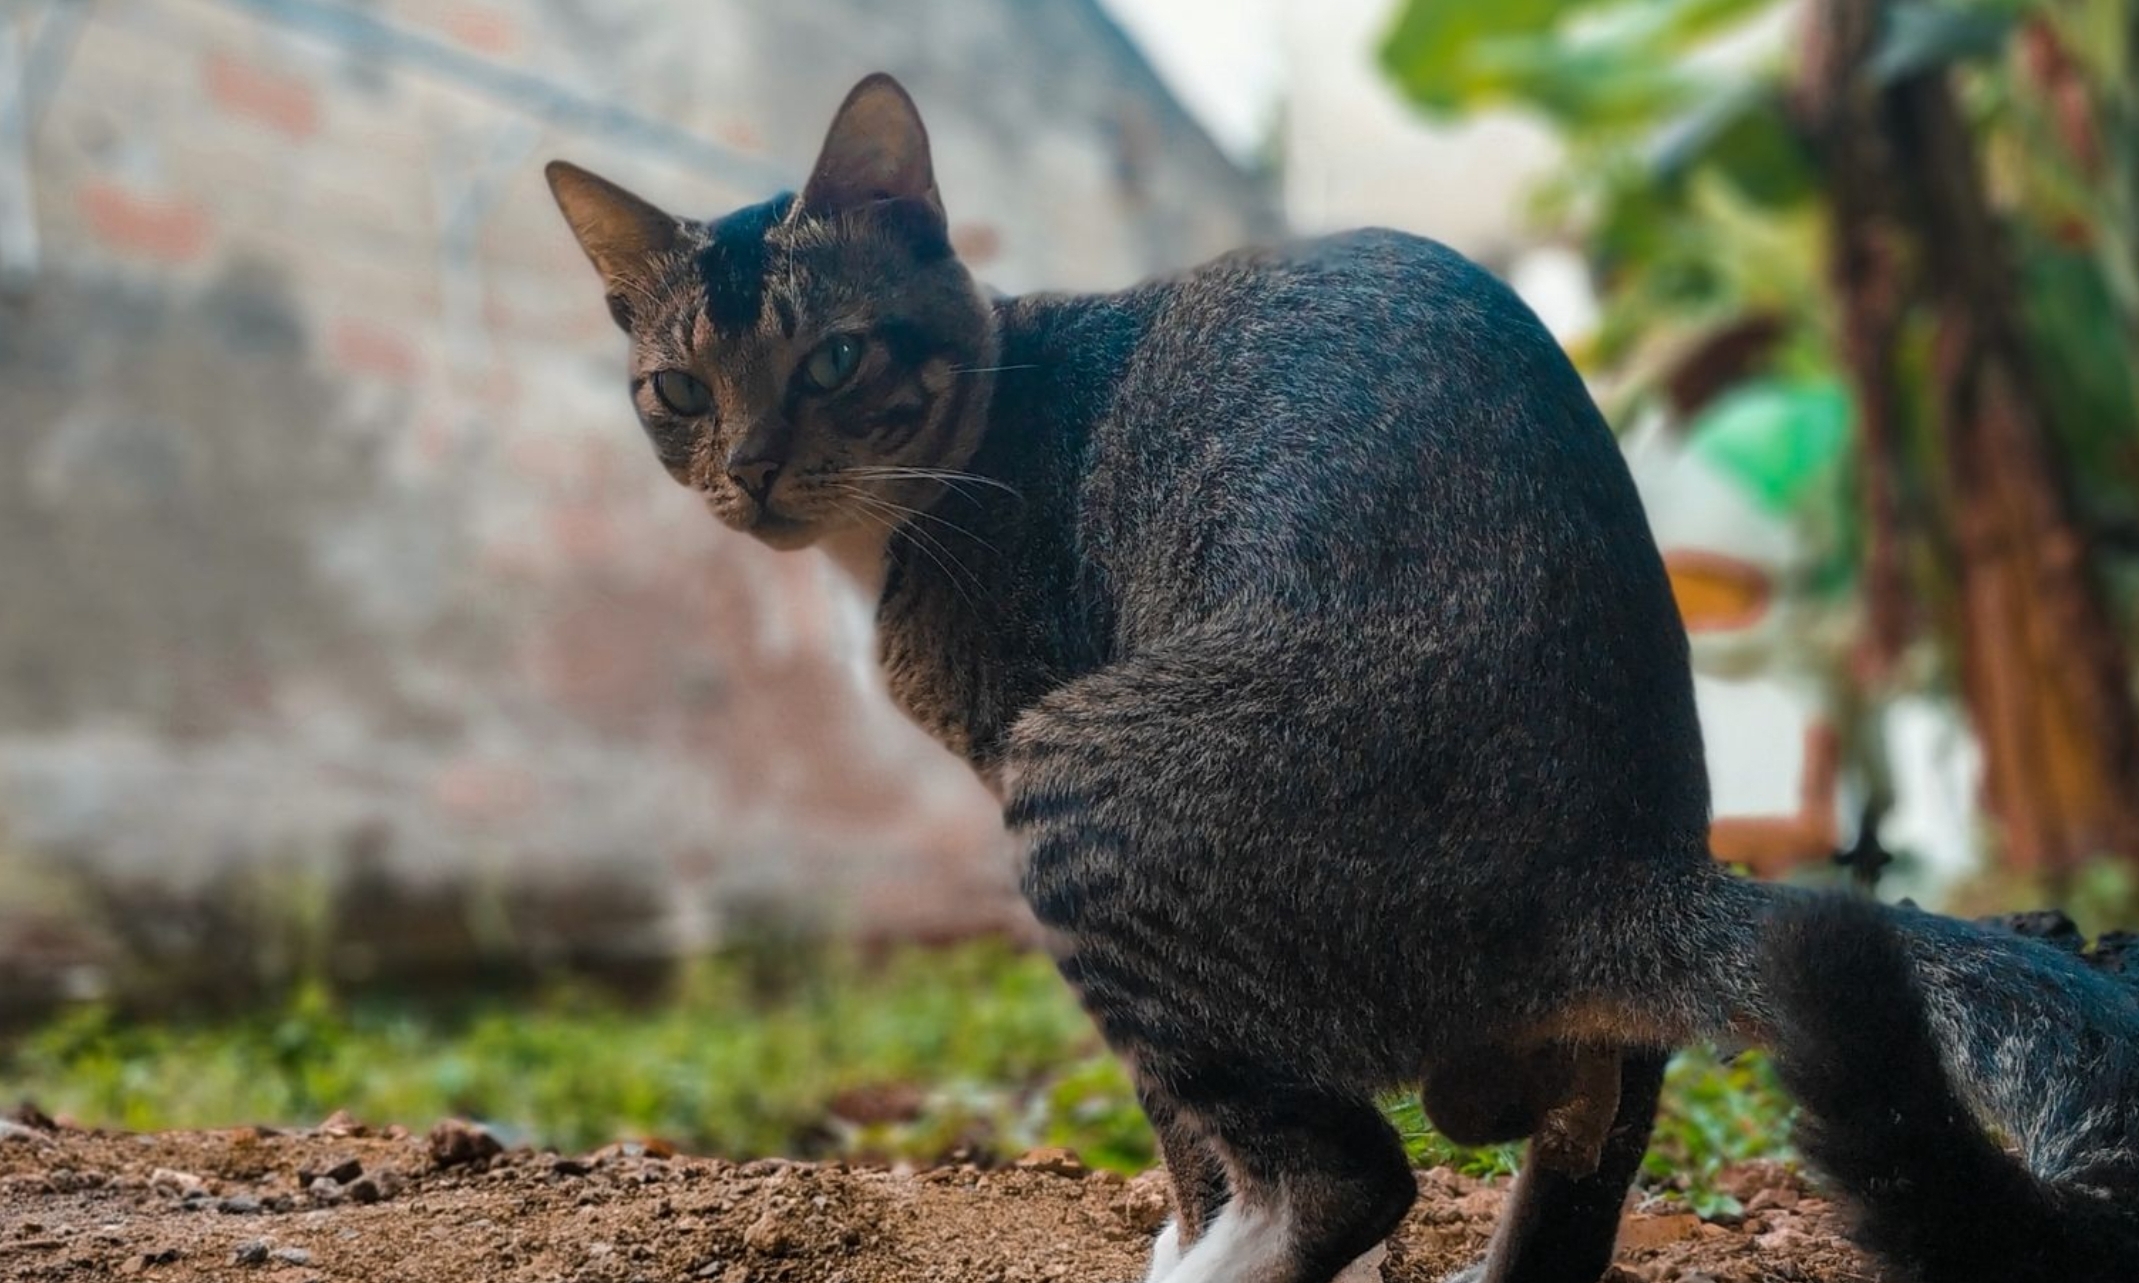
(328,545)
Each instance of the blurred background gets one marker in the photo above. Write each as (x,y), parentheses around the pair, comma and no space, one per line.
(379,727)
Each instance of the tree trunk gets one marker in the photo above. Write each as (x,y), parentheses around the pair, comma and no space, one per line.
(1867,271)
(2043,672)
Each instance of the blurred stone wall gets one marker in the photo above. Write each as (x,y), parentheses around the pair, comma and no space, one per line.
(336,581)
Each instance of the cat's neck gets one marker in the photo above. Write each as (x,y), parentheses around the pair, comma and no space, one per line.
(1059,357)
(993,596)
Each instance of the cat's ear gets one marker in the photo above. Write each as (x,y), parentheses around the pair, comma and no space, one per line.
(876,150)
(620,232)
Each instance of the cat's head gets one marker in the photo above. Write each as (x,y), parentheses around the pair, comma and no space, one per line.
(807,362)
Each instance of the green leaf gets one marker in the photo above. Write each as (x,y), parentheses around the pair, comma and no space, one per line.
(1742,131)
(1431,50)
(1925,34)
(1590,64)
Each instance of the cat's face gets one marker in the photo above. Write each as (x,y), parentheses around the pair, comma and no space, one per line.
(808,362)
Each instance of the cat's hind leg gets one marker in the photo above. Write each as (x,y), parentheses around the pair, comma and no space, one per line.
(1562,1218)
(1205,902)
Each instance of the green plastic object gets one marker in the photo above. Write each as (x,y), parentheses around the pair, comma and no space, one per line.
(1781,441)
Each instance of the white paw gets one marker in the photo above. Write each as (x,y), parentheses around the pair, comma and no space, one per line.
(1243,1243)
(1165,1253)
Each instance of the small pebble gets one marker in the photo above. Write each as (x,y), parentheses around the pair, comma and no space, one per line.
(344,1172)
(252,1251)
(12,1130)
(455,1142)
(1054,1160)
(165,1180)
(340,1123)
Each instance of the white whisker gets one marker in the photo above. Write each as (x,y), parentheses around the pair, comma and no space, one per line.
(926,515)
(875,507)
(887,472)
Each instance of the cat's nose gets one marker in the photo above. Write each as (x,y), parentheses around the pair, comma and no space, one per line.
(754,475)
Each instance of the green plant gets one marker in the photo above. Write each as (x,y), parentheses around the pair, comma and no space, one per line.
(1934,203)
(1718,1113)
(974,1050)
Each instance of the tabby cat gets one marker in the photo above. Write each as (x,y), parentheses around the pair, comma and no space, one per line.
(1302,614)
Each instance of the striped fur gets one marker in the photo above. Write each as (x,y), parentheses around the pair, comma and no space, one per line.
(1302,613)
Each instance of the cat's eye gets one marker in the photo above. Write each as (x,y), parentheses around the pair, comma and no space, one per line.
(681,393)
(833,362)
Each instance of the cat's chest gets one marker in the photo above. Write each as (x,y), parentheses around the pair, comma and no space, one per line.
(964,661)
(944,676)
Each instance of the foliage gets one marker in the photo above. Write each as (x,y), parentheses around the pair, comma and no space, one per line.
(1694,196)
(1693,181)
(1697,198)
(983,1045)
(1591,64)
(714,1067)
(1716,1113)
(1428,1148)
(2101,896)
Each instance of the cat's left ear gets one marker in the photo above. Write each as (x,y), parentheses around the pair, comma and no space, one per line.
(619,231)
(876,150)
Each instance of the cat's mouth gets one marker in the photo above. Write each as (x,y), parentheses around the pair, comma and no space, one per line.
(760,521)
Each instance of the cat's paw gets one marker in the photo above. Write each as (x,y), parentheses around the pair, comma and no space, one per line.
(1165,1253)
(1468,1274)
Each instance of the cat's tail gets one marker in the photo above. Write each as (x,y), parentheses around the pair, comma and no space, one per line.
(1906,1038)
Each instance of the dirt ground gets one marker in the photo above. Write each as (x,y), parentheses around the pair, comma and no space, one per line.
(340,1202)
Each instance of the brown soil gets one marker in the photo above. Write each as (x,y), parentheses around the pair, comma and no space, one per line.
(340,1203)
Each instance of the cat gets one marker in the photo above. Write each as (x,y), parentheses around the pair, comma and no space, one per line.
(1301,613)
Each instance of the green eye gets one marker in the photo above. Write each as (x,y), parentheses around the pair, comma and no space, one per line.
(833,362)
(681,393)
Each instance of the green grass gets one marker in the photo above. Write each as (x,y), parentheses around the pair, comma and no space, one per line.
(987,1049)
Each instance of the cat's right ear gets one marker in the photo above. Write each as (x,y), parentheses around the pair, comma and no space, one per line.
(620,233)
(875,151)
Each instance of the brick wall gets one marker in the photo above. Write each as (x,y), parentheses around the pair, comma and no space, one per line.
(327,541)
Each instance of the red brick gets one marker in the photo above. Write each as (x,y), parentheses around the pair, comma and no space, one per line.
(477,789)
(481,28)
(282,102)
(169,229)
(372,350)
(434,437)
(740,134)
